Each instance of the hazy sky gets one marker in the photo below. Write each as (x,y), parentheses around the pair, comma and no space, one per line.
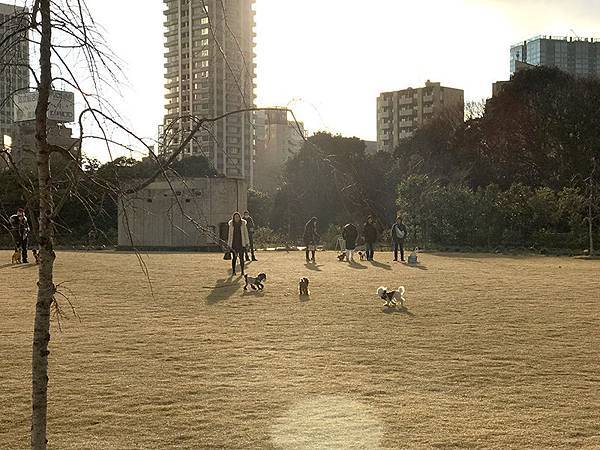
(329,59)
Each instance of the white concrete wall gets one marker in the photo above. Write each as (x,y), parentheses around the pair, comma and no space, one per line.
(162,216)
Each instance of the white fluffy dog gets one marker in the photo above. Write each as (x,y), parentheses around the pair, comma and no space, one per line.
(392,298)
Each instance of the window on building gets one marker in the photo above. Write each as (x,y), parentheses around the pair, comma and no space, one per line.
(204,52)
(204,31)
(204,63)
(204,20)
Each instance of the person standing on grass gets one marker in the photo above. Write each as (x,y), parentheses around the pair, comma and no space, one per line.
(370,234)
(399,233)
(350,235)
(250,223)
(237,240)
(311,238)
(19,229)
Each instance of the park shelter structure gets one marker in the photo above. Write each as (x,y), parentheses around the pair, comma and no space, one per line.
(190,214)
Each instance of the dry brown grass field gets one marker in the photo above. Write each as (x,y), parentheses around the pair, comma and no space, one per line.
(491,352)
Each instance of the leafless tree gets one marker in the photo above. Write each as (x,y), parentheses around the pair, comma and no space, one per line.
(60,31)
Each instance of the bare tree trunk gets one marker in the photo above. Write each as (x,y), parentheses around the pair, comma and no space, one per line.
(46,289)
(591,211)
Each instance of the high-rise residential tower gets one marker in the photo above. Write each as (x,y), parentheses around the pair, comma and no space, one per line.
(400,113)
(209,71)
(578,56)
(14,59)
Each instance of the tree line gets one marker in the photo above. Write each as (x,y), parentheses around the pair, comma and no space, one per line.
(521,173)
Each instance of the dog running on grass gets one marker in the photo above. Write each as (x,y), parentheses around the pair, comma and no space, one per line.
(341,256)
(255,282)
(16,257)
(303,286)
(391,298)
(361,255)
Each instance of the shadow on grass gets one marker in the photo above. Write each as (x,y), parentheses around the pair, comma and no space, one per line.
(25,266)
(303,298)
(416,266)
(355,265)
(380,265)
(312,266)
(397,310)
(223,289)
(253,293)
(4,266)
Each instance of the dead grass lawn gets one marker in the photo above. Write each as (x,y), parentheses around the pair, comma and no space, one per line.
(494,352)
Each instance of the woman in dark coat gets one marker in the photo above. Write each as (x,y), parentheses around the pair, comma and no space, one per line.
(311,238)
(350,235)
(238,240)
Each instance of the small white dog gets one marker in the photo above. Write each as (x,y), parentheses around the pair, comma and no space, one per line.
(392,298)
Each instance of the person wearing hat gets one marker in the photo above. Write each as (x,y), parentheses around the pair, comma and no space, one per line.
(19,229)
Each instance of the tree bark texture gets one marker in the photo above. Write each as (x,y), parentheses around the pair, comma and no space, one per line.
(46,289)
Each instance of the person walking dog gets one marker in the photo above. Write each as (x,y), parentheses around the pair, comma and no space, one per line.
(399,233)
(238,240)
(19,229)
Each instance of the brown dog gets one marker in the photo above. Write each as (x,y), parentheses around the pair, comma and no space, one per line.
(16,257)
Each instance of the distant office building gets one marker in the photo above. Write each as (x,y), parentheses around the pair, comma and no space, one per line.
(14,61)
(24,150)
(400,113)
(277,139)
(210,70)
(579,57)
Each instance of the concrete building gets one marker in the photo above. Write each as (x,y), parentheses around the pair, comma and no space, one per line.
(24,152)
(153,218)
(277,138)
(14,59)
(400,113)
(578,56)
(210,70)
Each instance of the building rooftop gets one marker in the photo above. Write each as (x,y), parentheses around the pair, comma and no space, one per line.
(559,38)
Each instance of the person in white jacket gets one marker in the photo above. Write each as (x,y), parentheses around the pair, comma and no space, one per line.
(238,240)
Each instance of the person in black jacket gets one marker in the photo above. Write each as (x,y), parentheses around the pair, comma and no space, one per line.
(19,229)
(350,235)
(370,235)
(399,233)
(311,238)
(250,224)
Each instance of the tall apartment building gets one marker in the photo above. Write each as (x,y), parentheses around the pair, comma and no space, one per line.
(277,138)
(400,113)
(14,58)
(578,56)
(209,71)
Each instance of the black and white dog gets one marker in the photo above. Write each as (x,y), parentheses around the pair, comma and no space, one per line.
(255,282)
(303,286)
(391,298)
